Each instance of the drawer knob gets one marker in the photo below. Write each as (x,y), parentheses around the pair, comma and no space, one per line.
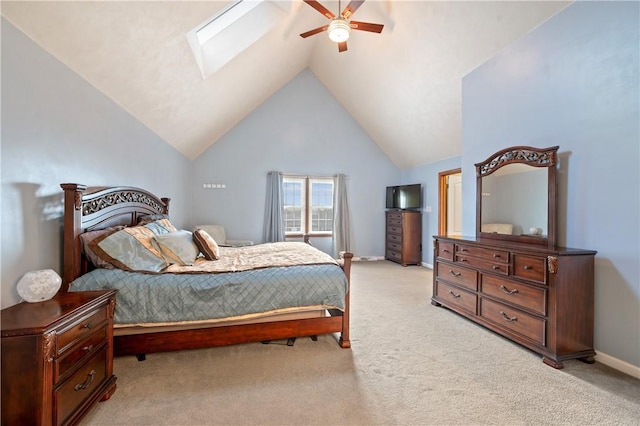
(507,291)
(87,382)
(527,267)
(445,251)
(463,249)
(506,318)
(87,326)
(496,267)
(455,274)
(88,348)
(453,294)
(496,256)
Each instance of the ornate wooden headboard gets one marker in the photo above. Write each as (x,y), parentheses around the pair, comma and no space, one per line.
(93,208)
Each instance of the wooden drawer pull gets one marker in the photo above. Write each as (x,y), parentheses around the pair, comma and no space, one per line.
(453,294)
(527,267)
(463,249)
(496,267)
(455,274)
(87,382)
(445,251)
(495,256)
(506,291)
(88,348)
(506,318)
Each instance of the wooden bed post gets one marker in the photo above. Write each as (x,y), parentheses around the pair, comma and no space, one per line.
(72,227)
(344,335)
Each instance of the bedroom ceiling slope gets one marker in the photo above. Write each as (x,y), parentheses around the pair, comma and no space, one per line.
(402,86)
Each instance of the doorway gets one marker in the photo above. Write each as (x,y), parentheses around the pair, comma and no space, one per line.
(450,202)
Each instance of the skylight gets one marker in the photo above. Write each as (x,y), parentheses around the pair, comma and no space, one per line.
(241,23)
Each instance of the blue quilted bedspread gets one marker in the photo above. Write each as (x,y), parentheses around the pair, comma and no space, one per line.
(153,298)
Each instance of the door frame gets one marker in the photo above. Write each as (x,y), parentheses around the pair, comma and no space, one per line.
(443,199)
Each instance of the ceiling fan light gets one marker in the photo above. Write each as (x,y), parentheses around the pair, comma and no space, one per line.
(339,30)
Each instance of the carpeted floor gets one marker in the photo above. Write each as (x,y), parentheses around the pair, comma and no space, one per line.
(411,363)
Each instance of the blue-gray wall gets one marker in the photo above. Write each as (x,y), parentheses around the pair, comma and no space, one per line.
(301,129)
(58,128)
(573,82)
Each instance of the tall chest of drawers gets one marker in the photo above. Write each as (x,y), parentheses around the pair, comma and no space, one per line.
(57,358)
(403,237)
(540,297)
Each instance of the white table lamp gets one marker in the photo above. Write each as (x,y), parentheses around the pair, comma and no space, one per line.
(38,286)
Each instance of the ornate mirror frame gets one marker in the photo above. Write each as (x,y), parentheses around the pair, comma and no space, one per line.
(536,157)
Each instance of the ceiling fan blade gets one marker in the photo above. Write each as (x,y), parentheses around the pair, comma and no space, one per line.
(351,8)
(342,46)
(314,31)
(366,26)
(320,8)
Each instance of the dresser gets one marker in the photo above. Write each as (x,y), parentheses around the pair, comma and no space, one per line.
(537,296)
(404,237)
(57,358)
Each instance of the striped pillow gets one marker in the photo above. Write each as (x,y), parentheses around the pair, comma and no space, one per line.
(207,245)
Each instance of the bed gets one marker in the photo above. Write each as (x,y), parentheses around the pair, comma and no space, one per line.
(92,209)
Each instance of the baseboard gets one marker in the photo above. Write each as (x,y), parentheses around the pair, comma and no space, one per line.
(618,364)
(367,258)
(427,265)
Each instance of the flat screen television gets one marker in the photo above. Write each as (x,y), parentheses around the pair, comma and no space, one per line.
(404,196)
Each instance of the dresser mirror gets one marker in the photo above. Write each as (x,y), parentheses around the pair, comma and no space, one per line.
(516,195)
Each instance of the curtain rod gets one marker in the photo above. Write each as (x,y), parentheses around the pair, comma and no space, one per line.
(294,175)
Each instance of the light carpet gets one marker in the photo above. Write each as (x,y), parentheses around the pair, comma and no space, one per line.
(411,363)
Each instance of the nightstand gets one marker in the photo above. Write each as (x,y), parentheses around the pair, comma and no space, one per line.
(57,358)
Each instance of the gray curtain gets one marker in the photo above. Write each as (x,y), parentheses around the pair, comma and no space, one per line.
(273,210)
(341,239)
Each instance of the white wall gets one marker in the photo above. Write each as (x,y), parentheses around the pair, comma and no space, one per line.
(301,129)
(57,128)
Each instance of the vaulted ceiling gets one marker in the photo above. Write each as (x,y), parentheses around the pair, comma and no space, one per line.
(402,86)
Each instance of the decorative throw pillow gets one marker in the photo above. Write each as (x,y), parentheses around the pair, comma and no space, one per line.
(178,247)
(148,218)
(207,245)
(92,257)
(162,226)
(132,249)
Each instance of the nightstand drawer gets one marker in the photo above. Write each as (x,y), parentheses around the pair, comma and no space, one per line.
(83,349)
(70,395)
(81,328)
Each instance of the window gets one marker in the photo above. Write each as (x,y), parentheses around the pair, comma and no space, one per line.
(308,206)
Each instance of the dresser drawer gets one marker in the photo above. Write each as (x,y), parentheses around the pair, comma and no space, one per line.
(515,320)
(80,386)
(394,247)
(394,218)
(456,297)
(81,328)
(83,349)
(394,238)
(394,229)
(457,275)
(444,250)
(497,256)
(530,298)
(394,255)
(530,268)
(484,264)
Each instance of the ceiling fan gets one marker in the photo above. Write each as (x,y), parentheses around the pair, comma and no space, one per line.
(340,27)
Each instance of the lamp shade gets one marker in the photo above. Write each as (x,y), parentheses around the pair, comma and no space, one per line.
(339,30)
(38,286)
